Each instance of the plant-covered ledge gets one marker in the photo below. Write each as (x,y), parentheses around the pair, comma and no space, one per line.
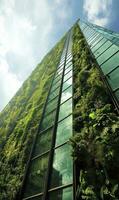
(96,129)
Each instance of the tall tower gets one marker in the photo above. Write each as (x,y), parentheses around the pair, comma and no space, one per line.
(73,94)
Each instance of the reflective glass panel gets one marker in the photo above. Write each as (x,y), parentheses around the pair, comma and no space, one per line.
(99,44)
(102,48)
(55,85)
(35,198)
(48,120)
(64,130)
(96,42)
(54,94)
(43,142)
(62,167)
(36,177)
(51,105)
(108,53)
(113,78)
(68,69)
(62,194)
(68,75)
(66,94)
(67,83)
(65,109)
(58,78)
(110,64)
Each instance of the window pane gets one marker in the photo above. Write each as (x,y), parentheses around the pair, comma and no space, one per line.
(110,64)
(43,142)
(68,64)
(113,78)
(51,105)
(99,44)
(54,94)
(62,167)
(96,42)
(65,109)
(108,53)
(102,48)
(68,69)
(66,94)
(48,120)
(62,194)
(67,83)
(36,177)
(68,75)
(58,78)
(64,130)
(57,84)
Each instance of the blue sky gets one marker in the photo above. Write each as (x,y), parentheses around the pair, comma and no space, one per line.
(30,28)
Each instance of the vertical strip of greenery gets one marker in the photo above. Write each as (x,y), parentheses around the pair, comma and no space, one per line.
(19,122)
(96,128)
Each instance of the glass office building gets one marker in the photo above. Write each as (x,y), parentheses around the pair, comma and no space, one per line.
(50,172)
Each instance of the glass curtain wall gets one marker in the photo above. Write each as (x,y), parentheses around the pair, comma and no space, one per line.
(104,45)
(56,123)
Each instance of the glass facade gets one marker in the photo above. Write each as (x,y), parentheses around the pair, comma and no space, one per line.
(104,45)
(56,123)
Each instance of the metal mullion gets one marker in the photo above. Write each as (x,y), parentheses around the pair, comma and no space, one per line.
(66,100)
(108,58)
(101,45)
(94,40)
(68,66)
(86,29)
(67,72)
(65,117)
(111,71)
(97,42)
(92,37)
(67,79)
(36,195)
(104,51)
(54,89)
(92,32)
(60,145)
(54,131)
(40,155)
(60,187)
(67,62)
(32,148)
(46,114)
(45,130)
(116,89)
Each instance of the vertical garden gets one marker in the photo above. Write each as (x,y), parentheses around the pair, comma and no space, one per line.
(96,128)
(19,122)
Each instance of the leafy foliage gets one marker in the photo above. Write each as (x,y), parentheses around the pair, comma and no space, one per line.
(96,126)
(19,122)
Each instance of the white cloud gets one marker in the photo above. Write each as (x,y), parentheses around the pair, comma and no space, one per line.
(8,83)
(26,29)
(98,11)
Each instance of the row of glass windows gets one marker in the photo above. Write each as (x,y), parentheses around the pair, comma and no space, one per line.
(62,168)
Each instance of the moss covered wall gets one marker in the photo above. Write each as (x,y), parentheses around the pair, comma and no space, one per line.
(96,128)
(19,122)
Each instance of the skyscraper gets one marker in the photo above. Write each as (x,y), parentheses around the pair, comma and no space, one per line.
(73,94)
